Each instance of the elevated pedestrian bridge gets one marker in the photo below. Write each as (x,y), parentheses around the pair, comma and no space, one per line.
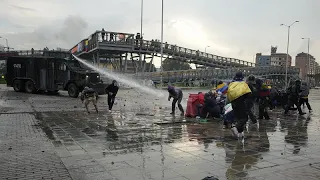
(101,43)
(207,75)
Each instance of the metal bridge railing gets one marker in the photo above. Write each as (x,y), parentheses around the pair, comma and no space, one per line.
(37,53)
(155,46)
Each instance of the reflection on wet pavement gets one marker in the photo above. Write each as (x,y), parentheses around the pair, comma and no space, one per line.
(140,140)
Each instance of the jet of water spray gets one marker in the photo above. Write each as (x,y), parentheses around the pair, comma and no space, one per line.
(123,79)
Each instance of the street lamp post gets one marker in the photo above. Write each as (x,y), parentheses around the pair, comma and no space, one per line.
(141,25)
(141,18)
(205,49)
(6,42)
(286,77)
(161,48)
(308,58)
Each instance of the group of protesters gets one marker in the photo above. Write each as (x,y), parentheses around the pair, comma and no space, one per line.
(244,97)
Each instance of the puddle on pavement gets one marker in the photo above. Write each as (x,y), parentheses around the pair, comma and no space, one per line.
(44,126)
(207,146)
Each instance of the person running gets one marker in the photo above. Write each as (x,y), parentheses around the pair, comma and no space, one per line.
(293,97)
(304,96)
(89,95)
(112,91)
(264,98)
(252,98)
(238,93)
(177,96)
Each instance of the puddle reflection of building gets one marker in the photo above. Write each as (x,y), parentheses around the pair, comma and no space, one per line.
(201,133)
(175,130)
(244,155)
(297,133)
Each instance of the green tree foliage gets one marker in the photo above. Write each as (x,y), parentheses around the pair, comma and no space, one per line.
(153,68)
(171,65)
(3,68)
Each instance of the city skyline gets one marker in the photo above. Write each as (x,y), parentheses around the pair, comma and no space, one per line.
(246,28)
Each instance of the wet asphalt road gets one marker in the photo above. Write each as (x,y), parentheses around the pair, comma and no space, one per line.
(52,137)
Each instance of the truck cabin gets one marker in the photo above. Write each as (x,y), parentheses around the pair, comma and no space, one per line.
(86,73)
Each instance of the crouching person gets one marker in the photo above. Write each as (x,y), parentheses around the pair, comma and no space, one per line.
(210,106)
(89,95)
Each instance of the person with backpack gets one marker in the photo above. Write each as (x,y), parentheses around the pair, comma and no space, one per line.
(238,94)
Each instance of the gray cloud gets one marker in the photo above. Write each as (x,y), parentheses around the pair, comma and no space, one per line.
(63,34)
(20,8)
(72,30)
(233,29)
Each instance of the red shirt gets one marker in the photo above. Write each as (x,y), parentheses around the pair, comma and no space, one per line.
(201,98)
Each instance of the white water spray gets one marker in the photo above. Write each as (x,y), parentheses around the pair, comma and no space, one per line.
(122,79)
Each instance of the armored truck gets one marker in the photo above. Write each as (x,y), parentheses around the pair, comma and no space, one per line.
(51,74)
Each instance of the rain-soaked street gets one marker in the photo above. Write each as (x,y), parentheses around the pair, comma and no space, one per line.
(52,137)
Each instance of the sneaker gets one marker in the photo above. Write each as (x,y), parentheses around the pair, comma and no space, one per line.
(172,113)
(310,111)
(302,113)
(241,135)
(198,117)
(234,131)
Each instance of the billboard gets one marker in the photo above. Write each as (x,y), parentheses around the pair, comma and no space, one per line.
(86,45)
(74,49)
(80,46)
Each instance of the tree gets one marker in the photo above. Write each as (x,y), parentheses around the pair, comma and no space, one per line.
(153,68)
(172,65)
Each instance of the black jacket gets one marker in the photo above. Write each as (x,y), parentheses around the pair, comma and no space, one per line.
(113,89)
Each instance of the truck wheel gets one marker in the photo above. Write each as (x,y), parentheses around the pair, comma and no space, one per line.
(73,90)
(17,85)
(29,87)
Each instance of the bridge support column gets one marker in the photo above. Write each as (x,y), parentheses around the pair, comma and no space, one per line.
(98,59)
(151,62)
(144,63)
(134,63)
(121,63)
(126,63)
(94,59)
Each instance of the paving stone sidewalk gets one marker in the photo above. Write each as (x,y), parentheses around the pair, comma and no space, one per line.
(26,152)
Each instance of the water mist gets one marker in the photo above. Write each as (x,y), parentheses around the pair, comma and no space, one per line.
(122,79)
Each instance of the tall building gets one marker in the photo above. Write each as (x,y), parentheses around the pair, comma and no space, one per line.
(279,59)
(274,59)
(306,68)
(263,60)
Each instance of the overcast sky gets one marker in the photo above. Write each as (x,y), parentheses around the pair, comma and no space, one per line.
(232,28)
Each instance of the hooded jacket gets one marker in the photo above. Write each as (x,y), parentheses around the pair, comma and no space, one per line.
(113,88)
(175,93)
